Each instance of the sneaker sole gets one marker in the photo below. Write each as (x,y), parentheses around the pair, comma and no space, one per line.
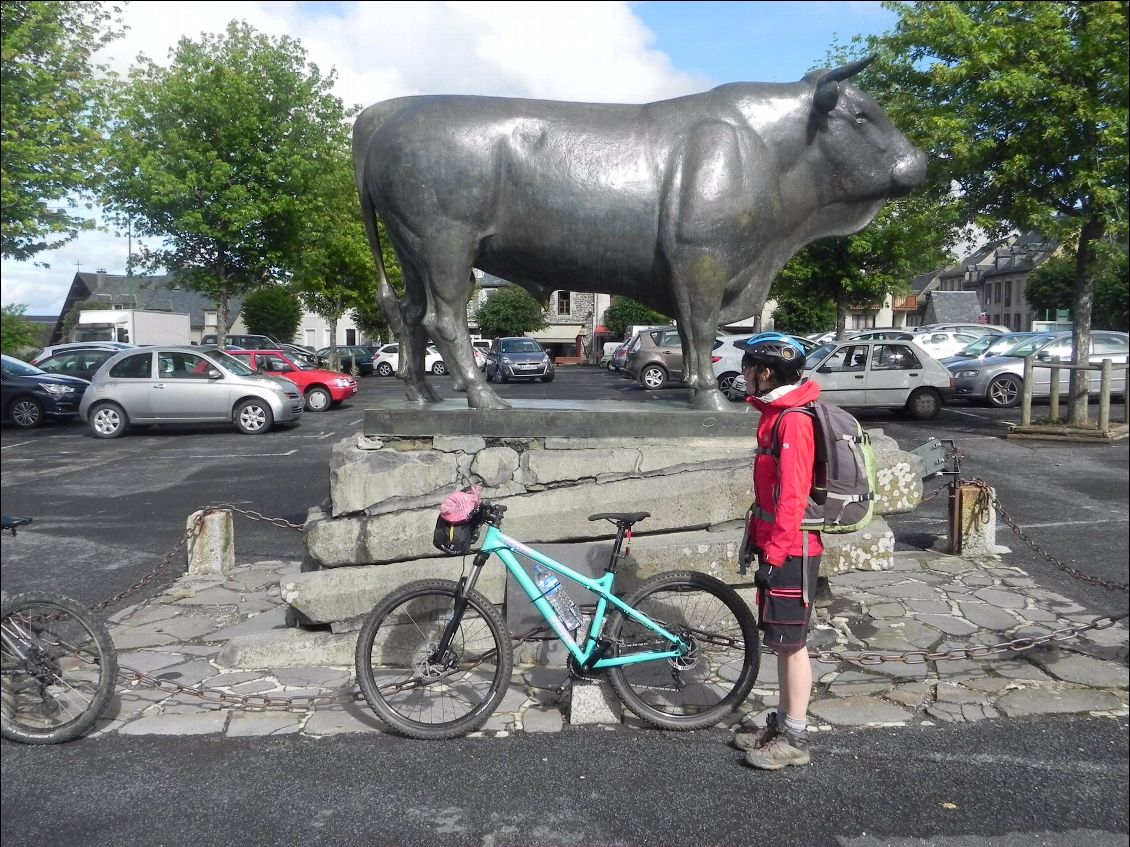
(776,766)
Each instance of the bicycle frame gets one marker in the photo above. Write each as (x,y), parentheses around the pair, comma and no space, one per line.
(504,547)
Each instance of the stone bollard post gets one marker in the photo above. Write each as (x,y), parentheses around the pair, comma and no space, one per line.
(211,545)
(973,522)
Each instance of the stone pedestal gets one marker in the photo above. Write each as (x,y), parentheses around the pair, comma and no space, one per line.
(689,469)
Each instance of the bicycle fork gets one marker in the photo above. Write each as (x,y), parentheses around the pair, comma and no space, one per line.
(465,586)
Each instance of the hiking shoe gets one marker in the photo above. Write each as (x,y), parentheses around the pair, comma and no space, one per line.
(755,739)
(787,748)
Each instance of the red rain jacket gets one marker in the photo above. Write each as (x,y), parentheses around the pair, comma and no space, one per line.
(784,494)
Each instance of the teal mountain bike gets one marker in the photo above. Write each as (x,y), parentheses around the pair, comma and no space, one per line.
(434,658)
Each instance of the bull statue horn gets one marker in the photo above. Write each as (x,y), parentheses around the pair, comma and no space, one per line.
(827,83)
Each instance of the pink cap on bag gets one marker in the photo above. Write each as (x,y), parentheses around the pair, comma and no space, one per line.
(457,507)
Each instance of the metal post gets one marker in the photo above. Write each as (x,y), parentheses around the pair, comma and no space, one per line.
(954,548)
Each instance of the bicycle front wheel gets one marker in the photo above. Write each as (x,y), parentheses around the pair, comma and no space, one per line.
(700,688)
(57,669)
(409,684)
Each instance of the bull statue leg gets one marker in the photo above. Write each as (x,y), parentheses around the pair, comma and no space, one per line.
(448,286)
(697,332)
(414,341)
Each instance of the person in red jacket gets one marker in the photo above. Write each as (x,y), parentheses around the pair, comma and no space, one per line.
(788,558)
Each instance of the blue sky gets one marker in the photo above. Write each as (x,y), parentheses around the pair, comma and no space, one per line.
(627,52)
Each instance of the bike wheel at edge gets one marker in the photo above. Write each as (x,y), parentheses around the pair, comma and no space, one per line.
(428,699)
(700,689)
(63,680)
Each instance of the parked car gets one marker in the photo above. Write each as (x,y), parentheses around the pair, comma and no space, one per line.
(28,394)
(727,359)
(895,374)
(353,358)
(887,334)
(991,345)
(969,328)
(244,342)
(620,355)
(386,359)
(655,358)
(80,345)
(321,389)
(999,380)
(154,385)
(943,343)
(298,354)
(81,362)
(518,358)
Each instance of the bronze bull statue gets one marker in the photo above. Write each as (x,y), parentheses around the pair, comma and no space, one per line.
(690,206)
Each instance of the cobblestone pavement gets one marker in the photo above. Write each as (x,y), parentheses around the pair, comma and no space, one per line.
(928,602)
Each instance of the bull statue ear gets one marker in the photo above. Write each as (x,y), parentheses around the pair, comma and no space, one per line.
(827,83)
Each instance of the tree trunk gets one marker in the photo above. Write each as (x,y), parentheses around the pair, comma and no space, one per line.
(842,309)
(223,318)
(1091,233)
(335,357)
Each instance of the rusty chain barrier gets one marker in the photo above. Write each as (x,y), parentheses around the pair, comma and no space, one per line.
(259,702)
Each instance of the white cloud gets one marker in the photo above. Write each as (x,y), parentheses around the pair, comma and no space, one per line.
(598,51)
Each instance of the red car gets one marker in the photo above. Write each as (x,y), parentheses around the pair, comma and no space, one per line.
(322,389)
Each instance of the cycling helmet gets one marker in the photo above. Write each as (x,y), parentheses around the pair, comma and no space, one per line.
(776,351)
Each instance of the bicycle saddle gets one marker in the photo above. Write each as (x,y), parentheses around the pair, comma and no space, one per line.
(624,518)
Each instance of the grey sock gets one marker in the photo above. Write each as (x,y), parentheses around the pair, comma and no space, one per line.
(795,726)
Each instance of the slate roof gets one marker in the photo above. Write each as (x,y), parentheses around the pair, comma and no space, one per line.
(952,307)
(158,293)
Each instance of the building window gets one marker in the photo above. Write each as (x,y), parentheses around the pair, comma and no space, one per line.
(564,307)
(1008,292)
(351,337)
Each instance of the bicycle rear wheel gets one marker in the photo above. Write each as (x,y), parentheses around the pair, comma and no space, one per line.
(699,689)
(419,693)
(57,669)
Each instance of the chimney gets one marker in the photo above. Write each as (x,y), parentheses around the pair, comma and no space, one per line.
(100,277)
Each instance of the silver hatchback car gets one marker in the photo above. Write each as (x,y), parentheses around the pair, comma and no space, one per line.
(151,385)
(998,380)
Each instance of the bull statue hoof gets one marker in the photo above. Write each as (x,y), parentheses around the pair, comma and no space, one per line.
(710,400)
(422,394)
(485,399)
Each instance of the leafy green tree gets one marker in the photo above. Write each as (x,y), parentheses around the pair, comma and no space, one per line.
(510,311)
(335,272)
(625,312)
(220,155)
(368,314)
(1050,288)
(272,310)
(907,237)
(799,311)
(1023,108)
(17,333)
(51,119)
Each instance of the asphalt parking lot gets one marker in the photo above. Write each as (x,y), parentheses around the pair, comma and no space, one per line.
(107,512)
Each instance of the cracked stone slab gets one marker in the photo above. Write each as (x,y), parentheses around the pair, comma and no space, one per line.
(858,711)
(1083,670)
(1043,701)
(246,722)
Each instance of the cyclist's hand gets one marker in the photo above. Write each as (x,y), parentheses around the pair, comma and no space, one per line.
(764,576)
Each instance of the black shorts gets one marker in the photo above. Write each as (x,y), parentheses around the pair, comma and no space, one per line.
(783,612)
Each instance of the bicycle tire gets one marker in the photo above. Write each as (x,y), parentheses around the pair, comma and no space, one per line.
(433,702)
(700,690)
(65,684)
